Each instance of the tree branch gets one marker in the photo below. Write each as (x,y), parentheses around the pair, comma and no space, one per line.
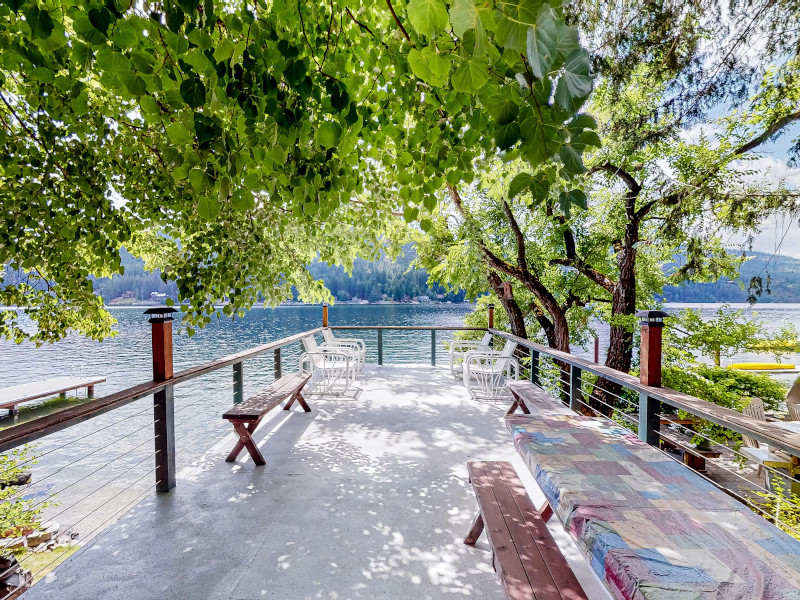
(397,20)
(627,178)
(522,262)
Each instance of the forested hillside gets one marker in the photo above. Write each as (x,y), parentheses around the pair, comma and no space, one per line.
(780,277)
(396,280)
(370,281)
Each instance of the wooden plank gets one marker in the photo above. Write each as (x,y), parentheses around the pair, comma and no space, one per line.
(536,522)
(534,396)
(268,398)
(726,417)
(44,389)
(525,544)
(508,563)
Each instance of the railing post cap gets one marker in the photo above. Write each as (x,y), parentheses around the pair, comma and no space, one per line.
(160,314)
(491,305)
(652,318)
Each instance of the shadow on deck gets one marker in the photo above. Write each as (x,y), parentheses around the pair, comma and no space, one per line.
(361,498)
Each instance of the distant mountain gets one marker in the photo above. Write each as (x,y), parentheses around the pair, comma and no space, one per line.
(780,280)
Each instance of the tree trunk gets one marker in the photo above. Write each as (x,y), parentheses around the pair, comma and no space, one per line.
(623,303)
(515,316)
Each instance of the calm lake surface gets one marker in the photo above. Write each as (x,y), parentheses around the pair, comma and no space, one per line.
(96,469)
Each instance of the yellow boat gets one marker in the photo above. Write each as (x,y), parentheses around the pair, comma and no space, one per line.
(760,366)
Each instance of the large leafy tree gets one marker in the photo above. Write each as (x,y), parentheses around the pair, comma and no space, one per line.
(650,193)
(229,143)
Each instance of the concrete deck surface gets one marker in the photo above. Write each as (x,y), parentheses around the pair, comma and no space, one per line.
(364,497)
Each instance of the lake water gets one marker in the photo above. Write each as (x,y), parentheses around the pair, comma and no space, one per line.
(97,468)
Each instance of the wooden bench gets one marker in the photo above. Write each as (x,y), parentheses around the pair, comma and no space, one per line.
(245,417)
(527,394)
(524,554)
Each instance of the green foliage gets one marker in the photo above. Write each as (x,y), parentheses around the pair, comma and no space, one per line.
(727,333)
(745,385)
(18,515)
(231,145)
(782,509)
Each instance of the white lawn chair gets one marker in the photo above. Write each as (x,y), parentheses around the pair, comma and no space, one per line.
(486,373)
(355,344)
(332,369)
(459,349)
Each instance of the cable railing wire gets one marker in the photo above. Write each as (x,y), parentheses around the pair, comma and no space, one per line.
(116,458)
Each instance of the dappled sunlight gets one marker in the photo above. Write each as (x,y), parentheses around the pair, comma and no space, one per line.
(364,497)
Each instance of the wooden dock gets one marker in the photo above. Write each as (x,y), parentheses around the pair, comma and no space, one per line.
(13,396)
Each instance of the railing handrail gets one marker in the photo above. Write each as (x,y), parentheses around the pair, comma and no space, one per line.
(725,417)
(409,327)
(731,419)
(33,430)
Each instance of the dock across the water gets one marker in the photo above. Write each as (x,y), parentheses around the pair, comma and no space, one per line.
(12,397)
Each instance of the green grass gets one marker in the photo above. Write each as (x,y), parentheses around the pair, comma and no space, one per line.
(41,563)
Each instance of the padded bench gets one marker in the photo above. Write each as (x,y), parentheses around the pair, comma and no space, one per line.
(245,417)
(524,554)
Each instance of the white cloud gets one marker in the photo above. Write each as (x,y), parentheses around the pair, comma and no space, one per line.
(769,171)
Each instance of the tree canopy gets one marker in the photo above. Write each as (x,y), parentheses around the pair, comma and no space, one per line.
(231,143)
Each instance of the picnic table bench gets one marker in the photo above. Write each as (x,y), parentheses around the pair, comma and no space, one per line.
(524,554)
(246,417)
(11,397)
(650,527)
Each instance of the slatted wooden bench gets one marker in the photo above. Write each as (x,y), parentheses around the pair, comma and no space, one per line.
(524,554)
(527,395)
(245,417)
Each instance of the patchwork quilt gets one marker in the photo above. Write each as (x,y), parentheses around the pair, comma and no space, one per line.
(652,528)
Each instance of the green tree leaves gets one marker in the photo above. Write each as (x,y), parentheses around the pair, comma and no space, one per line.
(470,76)
(576,82)
(193,92)
(428,17)
(40,22)
(429,66)
(541,42)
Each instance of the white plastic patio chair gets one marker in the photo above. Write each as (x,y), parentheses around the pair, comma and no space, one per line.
(332,370)
(459,349)
(355,344)
(486,373)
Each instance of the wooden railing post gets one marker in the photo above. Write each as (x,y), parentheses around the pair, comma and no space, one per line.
(238,383)
(163,401)
(380,346)
(652,323)
(278,368)
(325,315)
(433,347)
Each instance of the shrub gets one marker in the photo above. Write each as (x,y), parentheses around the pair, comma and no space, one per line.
(18,515)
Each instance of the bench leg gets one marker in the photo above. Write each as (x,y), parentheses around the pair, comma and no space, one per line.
(698,463)
(518,403)
(546,512)
(300,400)
(246,441)
(475,531)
